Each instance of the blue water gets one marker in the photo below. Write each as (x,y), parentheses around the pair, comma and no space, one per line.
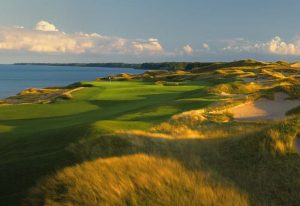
(15,78)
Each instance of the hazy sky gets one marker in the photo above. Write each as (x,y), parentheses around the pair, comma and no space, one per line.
(148,30)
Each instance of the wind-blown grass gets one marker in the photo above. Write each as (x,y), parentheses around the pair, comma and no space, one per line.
(135,180)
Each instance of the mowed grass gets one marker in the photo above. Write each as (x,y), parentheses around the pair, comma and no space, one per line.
(34,138)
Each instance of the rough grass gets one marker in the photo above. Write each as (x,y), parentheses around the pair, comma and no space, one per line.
(135,180)
(236,88)
(237,170)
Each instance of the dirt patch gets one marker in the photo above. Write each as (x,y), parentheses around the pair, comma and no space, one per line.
(265,109)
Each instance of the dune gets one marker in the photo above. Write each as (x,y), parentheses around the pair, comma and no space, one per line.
(265,109)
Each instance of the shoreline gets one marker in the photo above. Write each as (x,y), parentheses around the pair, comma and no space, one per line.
(16,78)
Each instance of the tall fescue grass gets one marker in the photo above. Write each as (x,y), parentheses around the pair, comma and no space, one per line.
(277,140)
(236,88)
(219,168)
(135,180)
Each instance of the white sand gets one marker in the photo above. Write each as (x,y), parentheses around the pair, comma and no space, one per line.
(265,109)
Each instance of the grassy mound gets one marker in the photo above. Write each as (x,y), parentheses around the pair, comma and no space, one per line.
(238,171)
(134,180)
(236,88)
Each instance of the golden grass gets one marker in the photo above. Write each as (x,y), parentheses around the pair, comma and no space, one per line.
(278,139)
(236,88)
(174,171)
(134,180)
(273,73)
(176,131)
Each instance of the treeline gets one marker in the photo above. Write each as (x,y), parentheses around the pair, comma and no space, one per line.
(120,65)
(154,66)
(200,66)
(175,65)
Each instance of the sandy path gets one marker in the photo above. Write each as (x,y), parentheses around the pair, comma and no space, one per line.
(265,109)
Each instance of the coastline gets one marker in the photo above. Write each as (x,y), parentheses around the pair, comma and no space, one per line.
(16,78)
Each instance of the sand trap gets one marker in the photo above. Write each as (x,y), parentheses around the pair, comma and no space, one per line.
(265,109)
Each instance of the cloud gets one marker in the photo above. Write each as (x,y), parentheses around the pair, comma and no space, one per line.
(205,46)
(45,26)
(46,38)
(188,49)
(41,41)
(277,46)
(19,27)
(151,45)
(274,46)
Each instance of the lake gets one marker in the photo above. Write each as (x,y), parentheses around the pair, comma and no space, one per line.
(15,78)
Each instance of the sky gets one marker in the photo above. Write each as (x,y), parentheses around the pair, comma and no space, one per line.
(136,31)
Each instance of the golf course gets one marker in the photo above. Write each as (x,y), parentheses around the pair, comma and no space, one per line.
(215,134)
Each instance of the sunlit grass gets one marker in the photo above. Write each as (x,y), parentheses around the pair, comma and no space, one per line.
(135,180)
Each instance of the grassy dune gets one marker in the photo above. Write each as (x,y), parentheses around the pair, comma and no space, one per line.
(158,138)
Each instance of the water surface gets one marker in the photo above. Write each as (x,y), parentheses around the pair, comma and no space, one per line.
(15,78)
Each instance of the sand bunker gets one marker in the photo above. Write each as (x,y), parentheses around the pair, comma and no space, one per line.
(265,109)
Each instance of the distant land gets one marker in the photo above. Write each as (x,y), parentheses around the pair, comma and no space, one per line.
(121,65)
(162,65)
(168,65)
